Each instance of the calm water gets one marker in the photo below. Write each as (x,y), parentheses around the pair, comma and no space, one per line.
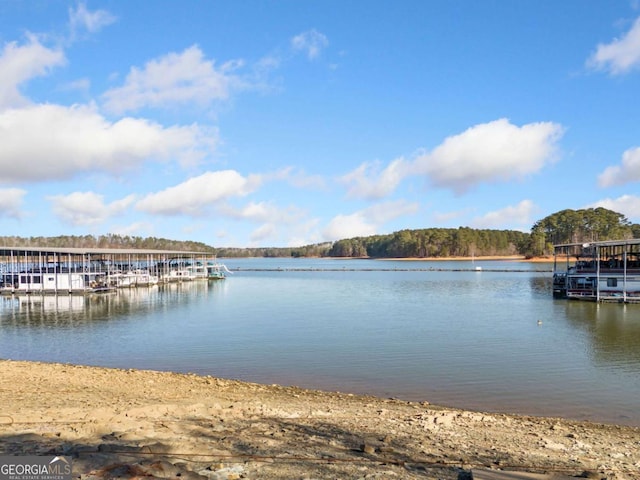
(394,329)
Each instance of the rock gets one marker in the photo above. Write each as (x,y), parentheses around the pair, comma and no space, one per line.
(160,469)
(589,474)
(445,419)
(367,448)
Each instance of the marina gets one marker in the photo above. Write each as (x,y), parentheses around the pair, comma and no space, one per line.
(41,270)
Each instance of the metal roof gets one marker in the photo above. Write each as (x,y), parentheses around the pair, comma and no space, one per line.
(32,251)
(603,243)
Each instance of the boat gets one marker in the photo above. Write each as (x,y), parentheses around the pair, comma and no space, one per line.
(197,270)
(49,281)
(143,277)
(178,275)
(132,278)
(604,271)
(216,271)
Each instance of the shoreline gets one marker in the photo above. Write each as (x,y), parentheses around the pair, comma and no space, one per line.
(505,258)
(130,423)
(501,258)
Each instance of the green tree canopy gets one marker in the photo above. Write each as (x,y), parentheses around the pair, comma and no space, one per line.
(576,226)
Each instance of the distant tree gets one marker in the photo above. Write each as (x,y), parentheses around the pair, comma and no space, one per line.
(576,226)
(432,242)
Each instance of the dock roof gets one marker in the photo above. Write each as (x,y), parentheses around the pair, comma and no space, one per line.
(603,243)
(34,251)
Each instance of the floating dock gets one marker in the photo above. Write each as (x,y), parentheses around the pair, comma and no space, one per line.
(43,270)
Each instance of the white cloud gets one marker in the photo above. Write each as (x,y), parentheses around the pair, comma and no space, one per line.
(628,205)
(368,182)
(20,63)
(174,79)
(263,233)
(91,21)
(299,179)
(381,213)
(136,228)
(621,55)
(267,212)
(87,208)
(11,200)
(490,152)
(268,63)
(256,211)
(274,220)
(195,196)
(519,215)
(310,42)
(48,142)
(367,221)
(348,226)
(303,233)
(81,85)
(628,172)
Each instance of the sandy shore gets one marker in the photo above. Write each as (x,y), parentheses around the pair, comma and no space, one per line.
(130,423)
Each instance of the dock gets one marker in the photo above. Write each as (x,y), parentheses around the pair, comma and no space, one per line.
(603,271)
(44,270)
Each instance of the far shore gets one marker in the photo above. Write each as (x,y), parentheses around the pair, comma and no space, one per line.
(501,258)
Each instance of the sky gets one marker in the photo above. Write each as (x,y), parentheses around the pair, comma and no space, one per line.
(287,123)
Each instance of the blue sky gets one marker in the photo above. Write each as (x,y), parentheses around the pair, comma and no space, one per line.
(287,123)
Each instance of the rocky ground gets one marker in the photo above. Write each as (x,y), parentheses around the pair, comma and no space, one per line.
(129,423)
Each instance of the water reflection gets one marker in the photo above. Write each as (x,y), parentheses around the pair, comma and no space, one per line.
(613,331)
(32,311)
(541,285)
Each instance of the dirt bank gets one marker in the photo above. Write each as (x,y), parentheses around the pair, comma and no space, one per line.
(129,423)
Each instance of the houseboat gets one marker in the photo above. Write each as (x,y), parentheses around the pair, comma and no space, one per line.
(178,275)
(51,281)
(132,278)
(209,269)
(606,271)
(216,271)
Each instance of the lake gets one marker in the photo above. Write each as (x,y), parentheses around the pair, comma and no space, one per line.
(490,340)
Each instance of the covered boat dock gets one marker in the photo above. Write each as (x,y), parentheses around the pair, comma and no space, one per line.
(55,270)
(604,271)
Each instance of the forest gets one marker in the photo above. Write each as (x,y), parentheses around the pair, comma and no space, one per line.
(105,241)
(565,226)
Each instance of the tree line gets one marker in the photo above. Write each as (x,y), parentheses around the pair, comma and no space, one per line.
(106,241)
(433,242)
(565,226)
